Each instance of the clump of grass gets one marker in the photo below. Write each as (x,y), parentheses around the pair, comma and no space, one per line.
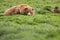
(52,35)
(41,11)
(48,8)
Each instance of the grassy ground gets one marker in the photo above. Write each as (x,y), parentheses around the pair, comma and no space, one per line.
(44,25)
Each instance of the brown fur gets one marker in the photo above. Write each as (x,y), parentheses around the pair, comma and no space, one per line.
(12,10)
(20,9)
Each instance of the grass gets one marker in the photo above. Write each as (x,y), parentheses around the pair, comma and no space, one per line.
(44,25)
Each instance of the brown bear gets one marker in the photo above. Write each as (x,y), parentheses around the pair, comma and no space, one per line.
(23,9)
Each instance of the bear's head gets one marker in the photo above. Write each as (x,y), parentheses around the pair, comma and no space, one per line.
(26,9)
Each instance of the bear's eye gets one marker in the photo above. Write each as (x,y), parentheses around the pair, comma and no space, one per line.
(26,9)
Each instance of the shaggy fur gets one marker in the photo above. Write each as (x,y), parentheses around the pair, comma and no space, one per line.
(12,10)
(23,9)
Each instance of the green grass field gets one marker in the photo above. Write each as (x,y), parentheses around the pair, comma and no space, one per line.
(44,25)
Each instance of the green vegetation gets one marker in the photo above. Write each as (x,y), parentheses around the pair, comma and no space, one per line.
(44,25)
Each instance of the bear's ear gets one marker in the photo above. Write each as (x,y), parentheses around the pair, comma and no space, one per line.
(26,9)
(32,9)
